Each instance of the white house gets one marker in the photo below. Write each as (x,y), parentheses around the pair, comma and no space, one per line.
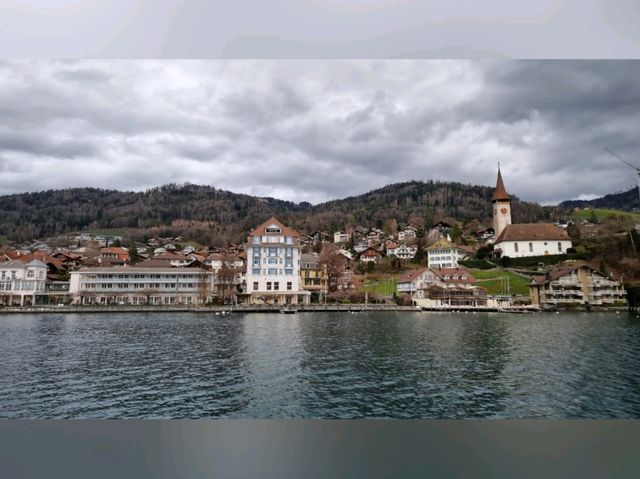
(444,254)
(403,251)
(273,265)
(407,234)
(340,237)
(521,240)
(414,281)
(20,282)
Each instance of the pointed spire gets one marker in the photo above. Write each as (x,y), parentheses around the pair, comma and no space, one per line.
(500,193)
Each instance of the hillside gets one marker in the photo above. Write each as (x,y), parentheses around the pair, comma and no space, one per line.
(214,216)
(626,201)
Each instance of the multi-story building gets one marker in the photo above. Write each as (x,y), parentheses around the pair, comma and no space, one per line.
(444,254)
(273,265)
(140,285)
(21,282)
(577,284)
(313,275)
(340,237)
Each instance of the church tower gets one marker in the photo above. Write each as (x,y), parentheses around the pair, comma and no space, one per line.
(501,206)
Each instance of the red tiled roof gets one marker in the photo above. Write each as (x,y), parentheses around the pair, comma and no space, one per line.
(410,275)
(532,232)
(48,260)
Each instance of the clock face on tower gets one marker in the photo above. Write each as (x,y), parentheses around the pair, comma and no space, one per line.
(503,211)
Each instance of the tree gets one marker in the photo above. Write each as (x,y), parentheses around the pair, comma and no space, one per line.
(334,263)
(456,233)
(593,217)
(134,256)
(603,266)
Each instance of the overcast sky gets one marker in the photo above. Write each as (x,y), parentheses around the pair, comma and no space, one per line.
(319,129)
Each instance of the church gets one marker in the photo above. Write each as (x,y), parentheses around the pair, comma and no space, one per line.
(520,240)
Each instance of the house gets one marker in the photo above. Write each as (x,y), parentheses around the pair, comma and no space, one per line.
(374,236)
(451,287)
(402,251)
(174,259)
(273,265)
(523,240)
(414,280)
(21,281)
(370,255)
(313,275)
(360,246)
(576,284)
(407,234)
(141,285)
(444,254)
(114,253)
(340,237)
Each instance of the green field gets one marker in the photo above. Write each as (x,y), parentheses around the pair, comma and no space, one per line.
(490,279)
(381,288)
(602,213)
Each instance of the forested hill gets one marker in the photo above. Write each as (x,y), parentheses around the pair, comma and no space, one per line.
(626,201)
(213,216)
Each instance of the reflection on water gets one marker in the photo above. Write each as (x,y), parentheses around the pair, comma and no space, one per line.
(320,365)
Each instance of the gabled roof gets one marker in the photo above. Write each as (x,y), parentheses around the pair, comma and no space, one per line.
(36,263)
(564,270)
(532,232)
(16,263)
(284,230)
(443,273)
(500,193)
(410,275)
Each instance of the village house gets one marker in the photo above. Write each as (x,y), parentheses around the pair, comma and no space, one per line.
(273,265)
(444,254)
(523,240)
(178,260)
(407,234)
(402,251)
(340,237)
(414,281)
(370,255)
(576,284)
(313,276)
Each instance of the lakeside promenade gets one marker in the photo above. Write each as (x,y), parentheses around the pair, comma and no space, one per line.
(348,308)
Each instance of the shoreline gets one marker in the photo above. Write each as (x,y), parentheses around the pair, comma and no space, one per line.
(310,308)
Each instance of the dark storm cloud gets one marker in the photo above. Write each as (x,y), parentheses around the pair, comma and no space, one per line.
(318,130)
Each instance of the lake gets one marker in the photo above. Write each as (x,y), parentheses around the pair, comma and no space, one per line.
(320,365)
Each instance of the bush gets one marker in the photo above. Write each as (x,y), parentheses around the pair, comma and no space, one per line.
(477,264)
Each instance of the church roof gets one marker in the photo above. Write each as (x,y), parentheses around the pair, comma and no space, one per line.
(532,232)
(500,193)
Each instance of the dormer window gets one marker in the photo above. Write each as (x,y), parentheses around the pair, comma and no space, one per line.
(273,229)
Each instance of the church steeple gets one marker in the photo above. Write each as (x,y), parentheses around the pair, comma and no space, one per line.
(500,193)
(501,206)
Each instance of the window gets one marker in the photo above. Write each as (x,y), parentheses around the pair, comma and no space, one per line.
(272,271)
(268,285)
(530,247)
(272,229)
(276,286)
(289,285)
(255,271)
(515,246)
(256,240)
(288,251)
(273,251)
(256,261)
(255,286)
(4,274)
(559,247)
(30,274)
(288,240)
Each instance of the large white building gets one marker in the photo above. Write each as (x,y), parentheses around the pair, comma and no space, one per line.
(444,254)
(528,239)
(20,282)
(141,285)
(273,265)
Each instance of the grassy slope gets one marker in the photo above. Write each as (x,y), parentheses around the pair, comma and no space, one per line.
(490,279)
(602,213)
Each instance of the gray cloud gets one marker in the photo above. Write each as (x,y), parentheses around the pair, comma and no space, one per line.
(318,130)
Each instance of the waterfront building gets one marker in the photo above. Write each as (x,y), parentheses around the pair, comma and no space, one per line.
(273,265)
(313,275)
(523,240)
(577,284)
(20,282)
(448,287)
(141,285)
(414,281)
(444,254)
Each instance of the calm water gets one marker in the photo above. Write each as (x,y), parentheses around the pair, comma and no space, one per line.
(318,365)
